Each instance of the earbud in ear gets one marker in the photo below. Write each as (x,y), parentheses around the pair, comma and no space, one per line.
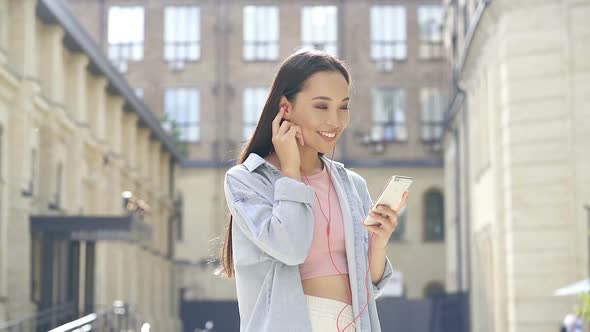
(286,109)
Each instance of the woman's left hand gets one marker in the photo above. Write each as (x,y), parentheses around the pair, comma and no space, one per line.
(387,216)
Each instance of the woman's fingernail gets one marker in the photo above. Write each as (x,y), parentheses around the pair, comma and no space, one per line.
(380,208)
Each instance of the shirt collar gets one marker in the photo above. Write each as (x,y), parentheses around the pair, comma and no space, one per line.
(254,161)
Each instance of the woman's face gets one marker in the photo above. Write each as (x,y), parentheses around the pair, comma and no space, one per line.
(321,110)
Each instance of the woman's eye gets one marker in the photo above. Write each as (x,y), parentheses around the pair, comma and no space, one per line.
(345,107)
(322,107)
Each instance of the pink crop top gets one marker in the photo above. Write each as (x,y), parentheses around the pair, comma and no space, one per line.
(318,262)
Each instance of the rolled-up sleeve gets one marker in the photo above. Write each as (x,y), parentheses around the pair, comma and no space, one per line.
(283,228)
(387,275)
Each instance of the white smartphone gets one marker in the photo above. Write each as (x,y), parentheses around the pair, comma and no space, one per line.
(391,195)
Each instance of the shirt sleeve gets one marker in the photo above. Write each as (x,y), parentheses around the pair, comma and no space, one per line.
(387,275)
(282,228)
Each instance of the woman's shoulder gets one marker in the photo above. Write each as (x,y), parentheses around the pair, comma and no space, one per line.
(356,177)
(251,174)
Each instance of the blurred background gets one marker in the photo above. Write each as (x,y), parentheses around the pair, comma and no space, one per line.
(119,119)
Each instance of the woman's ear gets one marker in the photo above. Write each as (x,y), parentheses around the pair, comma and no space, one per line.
(284,103)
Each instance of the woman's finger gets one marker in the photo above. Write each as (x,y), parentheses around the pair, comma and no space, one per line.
(389,223)
(294,131)
(284,128)
(389,217)
(277,121)
(379,218)
(376,229)
(300,137)
(402,203)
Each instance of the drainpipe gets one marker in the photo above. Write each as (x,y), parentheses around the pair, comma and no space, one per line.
(451,113)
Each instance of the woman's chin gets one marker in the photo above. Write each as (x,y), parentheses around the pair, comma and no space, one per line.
(327,148)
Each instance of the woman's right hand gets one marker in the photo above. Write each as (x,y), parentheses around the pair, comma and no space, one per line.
(284,140)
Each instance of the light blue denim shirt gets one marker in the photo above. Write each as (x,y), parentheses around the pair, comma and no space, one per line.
(272,232)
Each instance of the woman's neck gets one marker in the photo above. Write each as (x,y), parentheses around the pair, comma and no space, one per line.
(310,161)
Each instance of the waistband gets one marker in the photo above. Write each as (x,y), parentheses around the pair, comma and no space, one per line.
(328,306)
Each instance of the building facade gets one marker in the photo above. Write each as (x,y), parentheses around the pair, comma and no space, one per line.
(516,167)
(208,65)
(86,178)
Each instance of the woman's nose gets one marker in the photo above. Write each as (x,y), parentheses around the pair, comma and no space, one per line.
(333,119)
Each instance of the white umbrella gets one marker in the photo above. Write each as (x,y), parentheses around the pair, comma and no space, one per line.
(582,286)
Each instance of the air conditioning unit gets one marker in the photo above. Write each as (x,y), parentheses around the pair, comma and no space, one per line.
(177,65)
(319,46)
(436,146)
(122,66)
(385,66)
(378,148)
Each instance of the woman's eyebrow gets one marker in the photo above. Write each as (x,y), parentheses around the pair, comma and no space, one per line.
(328,98)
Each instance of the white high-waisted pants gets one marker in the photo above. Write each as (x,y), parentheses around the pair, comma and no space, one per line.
(323,313)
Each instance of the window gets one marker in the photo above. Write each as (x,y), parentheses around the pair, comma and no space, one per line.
(125,35)
(400,231)
(254,99)
(389,116)
(434,216)
(261,33)
(388,33)
(320,28)
(182,35)
(430,25)
(182,109)
(432,105)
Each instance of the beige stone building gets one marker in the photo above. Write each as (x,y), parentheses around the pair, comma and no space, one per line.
(208,64)
(81,159)
(517,168)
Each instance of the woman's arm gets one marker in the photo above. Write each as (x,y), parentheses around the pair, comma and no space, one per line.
(377,266)
(381,268)
(283,228)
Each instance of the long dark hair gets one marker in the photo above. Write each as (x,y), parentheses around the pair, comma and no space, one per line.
(294,72)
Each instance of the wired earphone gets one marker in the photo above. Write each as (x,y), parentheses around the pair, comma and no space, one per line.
(328,218)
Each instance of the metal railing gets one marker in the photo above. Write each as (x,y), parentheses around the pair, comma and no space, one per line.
(118,318)
(43,318)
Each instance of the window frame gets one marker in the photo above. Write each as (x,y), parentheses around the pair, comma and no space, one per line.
(430,48)
(399,235)
(312,41)
(257,42)
(171,119)
(246,124)
(394,42)
(390,124)
(178,11)
(119,60)
(429,236)
(432,123)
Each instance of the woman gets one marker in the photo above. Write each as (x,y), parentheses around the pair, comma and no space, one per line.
(296,244)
